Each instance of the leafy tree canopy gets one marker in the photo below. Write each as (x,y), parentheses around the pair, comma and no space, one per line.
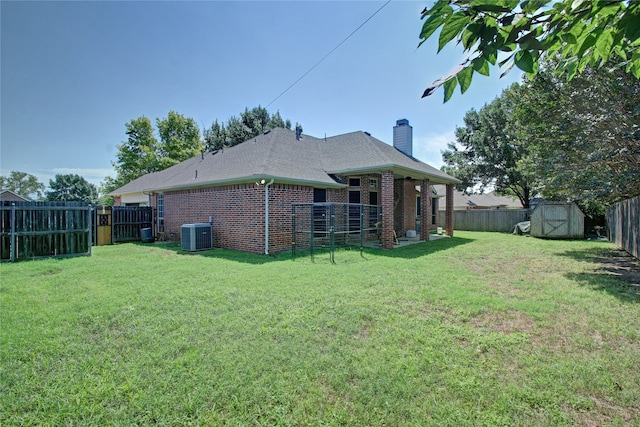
(178,138)
(588,148)
(578,33)
(238,129)
(71,188)
(22,183)
(576,140)
(488,151)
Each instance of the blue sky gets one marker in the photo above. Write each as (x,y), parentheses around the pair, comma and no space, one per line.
(73,73)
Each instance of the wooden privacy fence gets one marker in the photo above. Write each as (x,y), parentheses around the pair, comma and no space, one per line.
(115,224)
(44,229)
(501,220)
(623,225)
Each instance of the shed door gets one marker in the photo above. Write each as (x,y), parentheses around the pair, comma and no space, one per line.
(555,221)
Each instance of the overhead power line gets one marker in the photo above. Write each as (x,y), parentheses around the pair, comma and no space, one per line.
(327,55)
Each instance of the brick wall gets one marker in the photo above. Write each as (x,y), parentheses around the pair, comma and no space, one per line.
(238,214)
(238,210)
(386,199)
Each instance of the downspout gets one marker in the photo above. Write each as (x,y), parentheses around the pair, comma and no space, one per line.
(266,216)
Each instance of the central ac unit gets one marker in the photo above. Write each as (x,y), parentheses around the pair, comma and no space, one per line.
(196,237)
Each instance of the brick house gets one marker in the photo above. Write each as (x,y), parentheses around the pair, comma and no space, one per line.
(247,191)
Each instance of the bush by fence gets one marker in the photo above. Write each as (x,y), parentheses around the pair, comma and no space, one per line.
(500,220)
(44,229)
(623,225)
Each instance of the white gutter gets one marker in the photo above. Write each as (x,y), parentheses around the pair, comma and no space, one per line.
(266,216)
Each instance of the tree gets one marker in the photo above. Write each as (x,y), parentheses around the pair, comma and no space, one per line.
(139,154)
(71,188)
(143,153)
(22,183)
(588,150)
(576,140)
(488,151)
(238,129)
(179,139)
(578,33)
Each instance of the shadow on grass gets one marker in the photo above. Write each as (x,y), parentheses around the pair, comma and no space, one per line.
(225,254)
(407,252)
(421,249)
(616,273)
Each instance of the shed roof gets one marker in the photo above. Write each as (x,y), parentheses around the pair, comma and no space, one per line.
(279,155)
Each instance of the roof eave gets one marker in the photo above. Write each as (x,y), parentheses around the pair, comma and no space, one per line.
(435,179)
(244,180)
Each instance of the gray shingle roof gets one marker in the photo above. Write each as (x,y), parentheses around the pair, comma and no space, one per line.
(486,200)
(279,155)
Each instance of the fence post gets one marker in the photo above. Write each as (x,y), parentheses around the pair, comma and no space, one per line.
(90,217)
(12,246)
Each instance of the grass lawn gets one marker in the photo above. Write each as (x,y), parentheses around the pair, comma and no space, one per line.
(482,329)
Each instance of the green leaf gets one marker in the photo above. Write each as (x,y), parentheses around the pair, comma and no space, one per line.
(604,44)
(569,38)
(452,27)
(609,10)
(449,87)
(530,6)
(470,35)
(632,29)
(489,6)
(464,77)
(481,65)
(491,55)
(588,42)
(524,60)
(571,69)
(430,25)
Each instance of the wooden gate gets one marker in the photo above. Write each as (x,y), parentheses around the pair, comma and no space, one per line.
(115,224)
(102,220)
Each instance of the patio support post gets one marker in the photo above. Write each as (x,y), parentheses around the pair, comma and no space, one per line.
(449,211)
(386,188)
(425,209)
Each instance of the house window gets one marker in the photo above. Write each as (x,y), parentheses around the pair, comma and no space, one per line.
(354,182)
(373,183)
(160,213)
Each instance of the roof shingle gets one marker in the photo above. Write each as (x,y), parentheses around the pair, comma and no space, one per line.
(278,154)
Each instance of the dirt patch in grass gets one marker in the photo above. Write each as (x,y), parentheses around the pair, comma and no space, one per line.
(508,322)
(602,413)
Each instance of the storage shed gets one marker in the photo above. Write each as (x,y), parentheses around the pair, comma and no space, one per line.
(557,220)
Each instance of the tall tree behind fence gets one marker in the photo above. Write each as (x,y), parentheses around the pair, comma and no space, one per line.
(623,225)
(44,229)
(500,220)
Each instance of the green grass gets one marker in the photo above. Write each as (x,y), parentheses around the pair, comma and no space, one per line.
(482,329)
